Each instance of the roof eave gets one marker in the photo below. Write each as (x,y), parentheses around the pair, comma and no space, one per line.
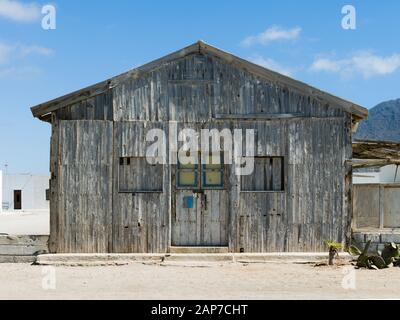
(278,78)
(90,91)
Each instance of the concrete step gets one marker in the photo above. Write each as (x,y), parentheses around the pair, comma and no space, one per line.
(17,259)
(199,257)
(199,250)
(183,258)
(101,259)
(21,248)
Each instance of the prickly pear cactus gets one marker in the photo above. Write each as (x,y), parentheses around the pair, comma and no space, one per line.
(354,251)
(378,261)
(363,260)
(390,252)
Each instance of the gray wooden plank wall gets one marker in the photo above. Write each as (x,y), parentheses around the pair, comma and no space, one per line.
(84,203)
(89,214)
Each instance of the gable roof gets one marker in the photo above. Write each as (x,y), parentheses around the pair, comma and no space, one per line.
(42,111)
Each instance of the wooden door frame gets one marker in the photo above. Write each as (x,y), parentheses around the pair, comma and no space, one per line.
(174,189)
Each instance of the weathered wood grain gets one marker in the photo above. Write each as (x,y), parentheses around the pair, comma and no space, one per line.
(84,186)
(293,202)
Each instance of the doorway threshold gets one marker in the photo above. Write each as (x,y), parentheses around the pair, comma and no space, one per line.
(193,249)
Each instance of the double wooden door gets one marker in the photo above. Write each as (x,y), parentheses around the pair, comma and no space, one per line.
(200,205)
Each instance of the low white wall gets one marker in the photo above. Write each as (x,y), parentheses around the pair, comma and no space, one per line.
(33,189)
(366,177)
(1,191)
(386,174)
(25,222)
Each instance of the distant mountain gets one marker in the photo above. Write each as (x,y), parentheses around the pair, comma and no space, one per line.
(383,123)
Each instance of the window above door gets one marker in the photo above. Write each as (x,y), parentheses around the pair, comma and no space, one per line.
(213,173)
(187,176)
(209,175)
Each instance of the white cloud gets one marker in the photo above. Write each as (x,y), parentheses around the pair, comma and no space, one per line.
(273,33)
(323,64)
(5,53)
(271,64)
(363,63)
(15,52)
(9,51)
(20,73)
(43,51)
(18,11)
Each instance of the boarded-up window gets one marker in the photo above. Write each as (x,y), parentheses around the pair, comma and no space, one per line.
(376,206)
(391,207)
(137,175)
(268,175)
(366,208)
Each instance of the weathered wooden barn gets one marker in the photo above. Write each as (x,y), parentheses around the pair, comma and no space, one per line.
(106,198)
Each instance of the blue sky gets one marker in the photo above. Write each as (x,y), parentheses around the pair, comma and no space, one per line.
(95,40)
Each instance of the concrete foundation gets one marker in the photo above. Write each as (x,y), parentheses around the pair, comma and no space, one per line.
(20,249)
(190,258)
(378,238)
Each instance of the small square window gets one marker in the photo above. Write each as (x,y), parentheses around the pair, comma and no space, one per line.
(187,178)
(208,175)
(213,172)
(213,178)
(187,175)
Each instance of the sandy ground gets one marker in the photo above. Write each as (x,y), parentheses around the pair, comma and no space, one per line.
(25,223)
(217,281)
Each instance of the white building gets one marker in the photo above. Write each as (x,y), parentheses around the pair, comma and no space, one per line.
(386,174)
(1,191)
(24,192)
